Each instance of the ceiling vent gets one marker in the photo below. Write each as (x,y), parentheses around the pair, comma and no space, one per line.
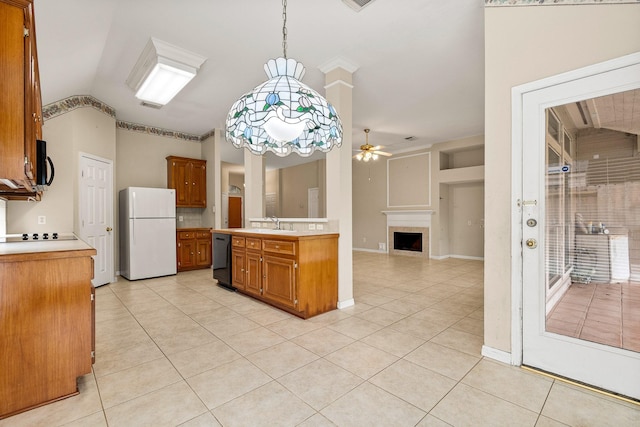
(410,138)
(357,5)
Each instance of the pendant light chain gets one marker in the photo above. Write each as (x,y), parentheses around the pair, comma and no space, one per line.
(284,28)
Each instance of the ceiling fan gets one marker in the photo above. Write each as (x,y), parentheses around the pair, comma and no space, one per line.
(368,151)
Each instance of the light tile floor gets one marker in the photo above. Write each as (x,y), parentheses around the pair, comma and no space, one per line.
(181,351)
(606,313)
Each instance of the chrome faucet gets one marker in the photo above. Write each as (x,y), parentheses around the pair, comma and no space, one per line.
(276,221)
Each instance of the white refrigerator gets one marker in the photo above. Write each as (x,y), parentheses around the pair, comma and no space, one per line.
(147,232)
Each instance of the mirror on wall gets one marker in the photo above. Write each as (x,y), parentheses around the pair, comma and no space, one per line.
(294,186)
(295,191)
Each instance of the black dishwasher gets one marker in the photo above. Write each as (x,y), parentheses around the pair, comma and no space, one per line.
(222,260)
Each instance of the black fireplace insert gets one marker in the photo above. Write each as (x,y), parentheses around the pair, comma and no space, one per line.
(407,241)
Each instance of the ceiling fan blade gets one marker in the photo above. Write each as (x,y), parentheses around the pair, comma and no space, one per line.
(377,147)
(382,153)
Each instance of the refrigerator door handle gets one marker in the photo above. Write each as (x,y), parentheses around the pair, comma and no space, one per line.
(133,216)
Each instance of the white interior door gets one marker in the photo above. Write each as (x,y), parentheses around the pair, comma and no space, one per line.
(313,195)
(549,237)
(96,214)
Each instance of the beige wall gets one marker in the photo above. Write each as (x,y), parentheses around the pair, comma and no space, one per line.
(369,200)
(524,44)
(142,158)
(83,130)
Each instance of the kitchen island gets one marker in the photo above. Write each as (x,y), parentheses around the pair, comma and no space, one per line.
(295,271)
(46,321)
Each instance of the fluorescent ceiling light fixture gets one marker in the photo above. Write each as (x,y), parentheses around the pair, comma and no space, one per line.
(162,71)
(283,115)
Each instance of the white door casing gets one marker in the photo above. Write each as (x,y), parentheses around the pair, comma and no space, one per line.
(608,367)
(96,213)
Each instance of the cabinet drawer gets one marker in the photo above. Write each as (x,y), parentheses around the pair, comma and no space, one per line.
(186,235)
(203,235)
(254,244)
(237,242)
(279,247)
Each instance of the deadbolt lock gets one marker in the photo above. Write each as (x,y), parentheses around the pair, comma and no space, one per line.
(109,229)
(532,222)
(531,243)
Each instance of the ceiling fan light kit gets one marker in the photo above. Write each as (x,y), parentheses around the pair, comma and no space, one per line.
(368,151)
(283,115)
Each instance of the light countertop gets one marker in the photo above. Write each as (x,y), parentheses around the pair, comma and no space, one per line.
(30,246)
(265,232)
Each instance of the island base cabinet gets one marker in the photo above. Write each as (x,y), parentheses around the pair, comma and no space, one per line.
(46,327)
(298,274)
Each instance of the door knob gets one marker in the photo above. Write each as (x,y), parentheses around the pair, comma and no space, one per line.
(109,229)
(532,243)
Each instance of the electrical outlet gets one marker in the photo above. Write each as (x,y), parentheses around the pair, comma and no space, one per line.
(312,226)
(382,246)
(180,218)
(319,227)
(42,219)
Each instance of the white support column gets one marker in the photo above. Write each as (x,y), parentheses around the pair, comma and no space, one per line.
(339,91)
(254,199)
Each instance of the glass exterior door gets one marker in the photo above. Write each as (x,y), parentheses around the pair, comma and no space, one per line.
(581,230)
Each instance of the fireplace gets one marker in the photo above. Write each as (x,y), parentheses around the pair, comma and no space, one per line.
(412,228)
(403,241)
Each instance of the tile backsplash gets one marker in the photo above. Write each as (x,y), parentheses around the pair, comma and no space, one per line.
(191,217)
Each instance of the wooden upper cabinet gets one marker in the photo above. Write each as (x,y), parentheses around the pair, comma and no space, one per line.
(189,178)
(20,101)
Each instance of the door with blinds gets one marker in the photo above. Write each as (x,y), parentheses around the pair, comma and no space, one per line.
(581,229)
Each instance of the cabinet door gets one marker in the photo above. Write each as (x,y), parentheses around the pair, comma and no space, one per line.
(198,184)
(203,248)
(12,95)
(179,180)
(279,280)
(238,272)
(254,273)
(186,254)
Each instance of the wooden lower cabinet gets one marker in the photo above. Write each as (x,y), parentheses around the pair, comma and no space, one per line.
(193,249)
(47,325)
(298,274)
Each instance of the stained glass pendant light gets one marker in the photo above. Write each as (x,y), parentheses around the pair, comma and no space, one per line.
(283,115)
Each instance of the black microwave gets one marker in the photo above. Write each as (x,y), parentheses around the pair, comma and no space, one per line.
(42,161)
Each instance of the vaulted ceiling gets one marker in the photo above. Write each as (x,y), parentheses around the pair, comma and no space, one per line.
(420,62)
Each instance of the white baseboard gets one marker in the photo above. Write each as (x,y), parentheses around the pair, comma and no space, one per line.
(347,303)
(474,258)
(495,354)
(441,257)
(377,251)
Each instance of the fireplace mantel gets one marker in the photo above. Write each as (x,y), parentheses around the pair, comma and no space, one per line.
(409,218)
